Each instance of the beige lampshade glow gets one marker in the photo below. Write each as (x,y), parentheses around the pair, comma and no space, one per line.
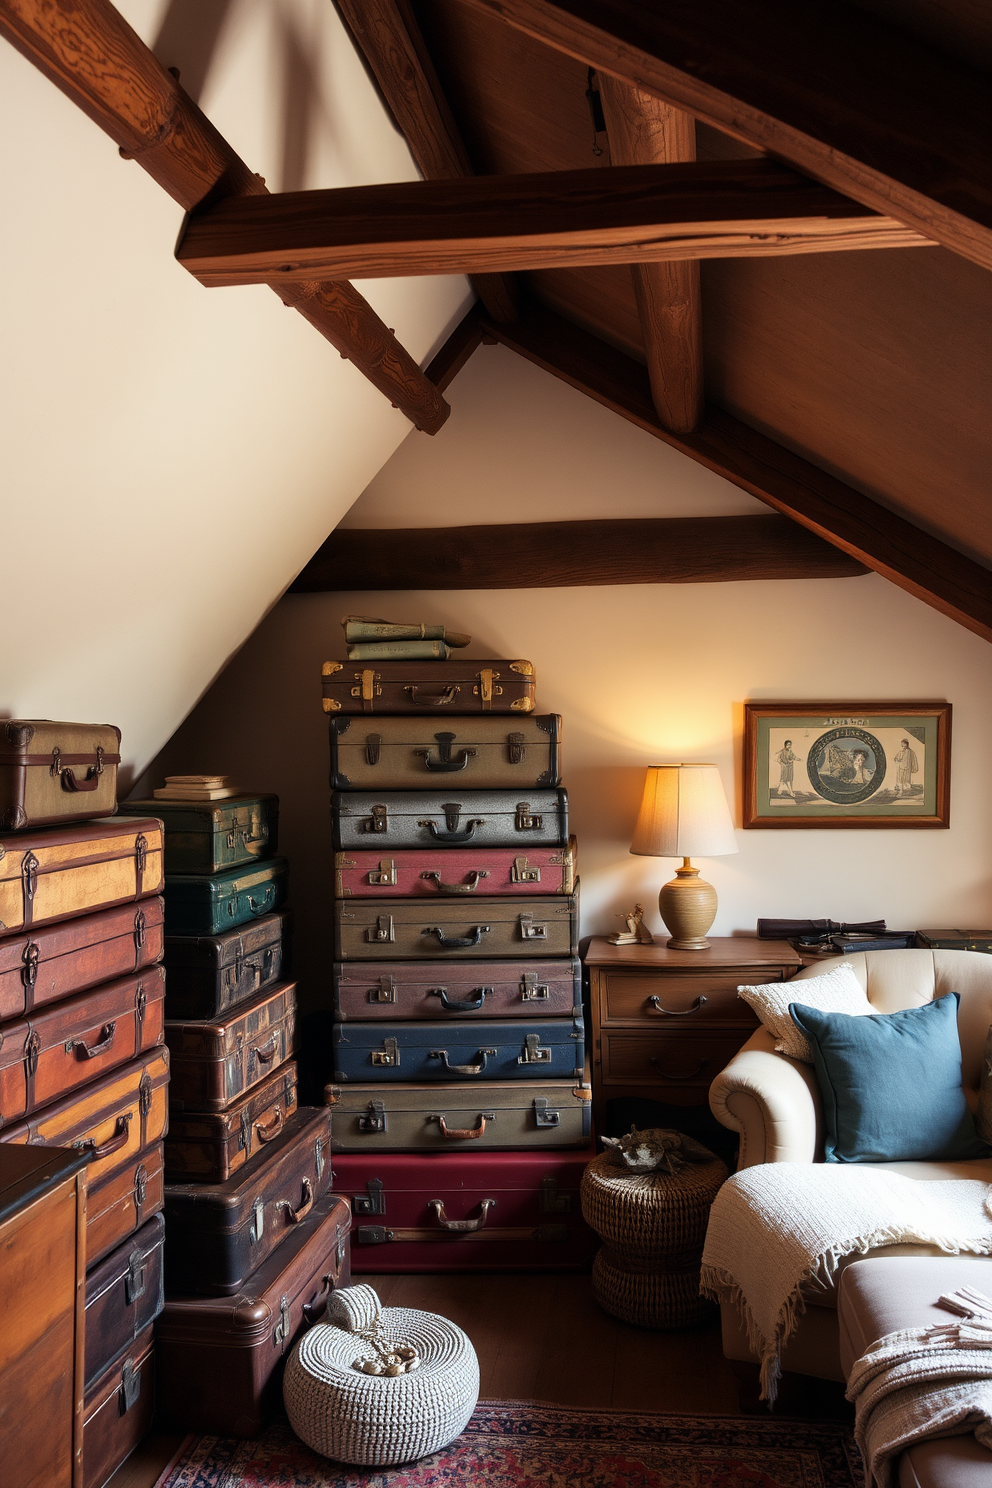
(684,814)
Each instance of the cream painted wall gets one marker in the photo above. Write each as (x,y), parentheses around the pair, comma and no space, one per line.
(170,456)
(640,674)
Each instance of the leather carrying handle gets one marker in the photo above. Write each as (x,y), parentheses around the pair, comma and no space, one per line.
(475,878)
(659,1007)
(462,1226)
(82,1050)
(454,1005)
(295,1215)
(448,766)
(457,942)
(268,894)
(275,1126)
(464,1069)
(264,1052)
(454,839)
(463,1134)
(314,1310)
(71,781)
(419,696)
(112,1144)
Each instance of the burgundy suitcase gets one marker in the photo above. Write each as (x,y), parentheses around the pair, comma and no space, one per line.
(42,966)
(457,685)
(72,1043)
(487,1211)
(216,1062)
(118,1410)
(208,1146)
(124,1293)
(431,872)
(459,989)
(220,1233)
(220,1359)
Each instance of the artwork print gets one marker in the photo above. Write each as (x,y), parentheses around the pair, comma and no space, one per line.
(845,765)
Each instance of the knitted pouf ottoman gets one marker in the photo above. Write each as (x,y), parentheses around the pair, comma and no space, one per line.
(653,1225)
(420,1397)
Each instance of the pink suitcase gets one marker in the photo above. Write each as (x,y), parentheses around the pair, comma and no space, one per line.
(488,1211)
(457,989)
(438,872)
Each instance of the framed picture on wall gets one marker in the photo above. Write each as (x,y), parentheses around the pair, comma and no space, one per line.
(847,764)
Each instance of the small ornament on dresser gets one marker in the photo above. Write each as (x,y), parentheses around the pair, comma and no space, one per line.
(656,1150)
(635,933)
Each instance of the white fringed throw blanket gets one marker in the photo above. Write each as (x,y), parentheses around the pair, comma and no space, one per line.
(779,1227)
(920,1383)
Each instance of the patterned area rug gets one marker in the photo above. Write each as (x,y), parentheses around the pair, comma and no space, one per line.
(510,1444)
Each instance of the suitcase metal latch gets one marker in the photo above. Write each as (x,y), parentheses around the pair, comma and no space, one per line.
(373,1235)
(530,931)
(134,1278)
(542,1115)
(526,820)
(130,1388)
(29,965)
(520,873)
(485,689)
(530,990)
(372,1201)
(141,851)
(553,1202)
(378,821)
(533,1053)
(385,875)
(245,1138)
(140,1187)
(145,1094)
(373,1118)
(368,688)
(257,1226)
(516,748)
(318,1157)
(373,744)
(29,874)
(385,992)
(139,933)
(388,1054)
(280,1334)
(382,932)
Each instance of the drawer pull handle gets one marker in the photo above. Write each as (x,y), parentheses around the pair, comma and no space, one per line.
(463,888)
(459,1005)
(295,1215)
(671,1075)
(463,1133)
(464,1069)
(82,1050)
(266,1133)
(462,1226)
(659,1007)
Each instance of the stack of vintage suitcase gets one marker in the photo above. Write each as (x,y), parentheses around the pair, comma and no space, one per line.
(460,1082)
(82,1062)
(256,1241)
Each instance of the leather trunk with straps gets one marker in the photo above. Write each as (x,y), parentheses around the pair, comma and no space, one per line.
(553,1048)
(458,990)
(506,1114)
(220,1359)
(220,1233)
(208,836)
(457,1211)
(72,1043)
(455,871)
(115,1120)
(123,1201)
(124,1294)
(209,903)
(56,772)
(210,974)
(458,685)
(214,1063)
(43,966)
(118,1410)
(210,1146)
(377,820)
(59,872)
(485,928)
(412,753)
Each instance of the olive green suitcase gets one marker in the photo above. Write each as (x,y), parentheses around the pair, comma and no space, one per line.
(489,929)
(407,753)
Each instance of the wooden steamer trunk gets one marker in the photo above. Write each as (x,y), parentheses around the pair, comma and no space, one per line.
(214,1063)
(444,872)
(484,928)
(459,990)
(410,753)
(59,872)
(210,974)
(207,904)
(212,1146)
(42,966)
(209,836)
(388,820)
(56,772)
(458,685)
(553,1048)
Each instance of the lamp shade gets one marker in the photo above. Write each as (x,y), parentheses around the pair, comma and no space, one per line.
(684,814)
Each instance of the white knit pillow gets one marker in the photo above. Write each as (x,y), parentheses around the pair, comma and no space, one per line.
(836,991)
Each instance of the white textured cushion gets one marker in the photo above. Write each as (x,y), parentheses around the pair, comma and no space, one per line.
(836,991)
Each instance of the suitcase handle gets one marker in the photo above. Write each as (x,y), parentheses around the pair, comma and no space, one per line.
(112,1144)
(453,839)
(463,1069)
(264,1052)
(267,898)
(659,1007)
(82,1050)
(295,1215)
(453,1005)
(462,1226)
(438,700)
(71,782)
(474,879)
(314,1310)
(457,942)
(464,1133)
(266,1133)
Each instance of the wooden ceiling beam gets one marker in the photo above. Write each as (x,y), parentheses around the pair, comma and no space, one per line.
(642,130)
(387,34)
(91,54)
(841,94)
(914,560)
(555,219)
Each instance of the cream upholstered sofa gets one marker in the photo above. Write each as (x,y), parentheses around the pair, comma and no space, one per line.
(773,1103)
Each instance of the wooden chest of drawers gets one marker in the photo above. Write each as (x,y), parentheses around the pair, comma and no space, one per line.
(664,1023)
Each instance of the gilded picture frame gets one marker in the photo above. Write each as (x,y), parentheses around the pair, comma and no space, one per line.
(847,765)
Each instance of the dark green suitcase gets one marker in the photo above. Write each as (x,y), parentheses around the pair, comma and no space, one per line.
(207,836)
(209,903)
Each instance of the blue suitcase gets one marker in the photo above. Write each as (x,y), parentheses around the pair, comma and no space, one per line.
(209,903)
(547,1049)
(450,817)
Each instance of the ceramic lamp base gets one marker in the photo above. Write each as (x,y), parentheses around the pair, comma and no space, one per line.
(688,908)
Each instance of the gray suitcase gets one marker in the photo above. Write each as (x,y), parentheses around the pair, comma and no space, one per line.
(410,752)
(504,1115)
(495,818)
(409,929)
(553,1048)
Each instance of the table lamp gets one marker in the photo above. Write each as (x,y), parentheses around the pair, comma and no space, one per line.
(684,813)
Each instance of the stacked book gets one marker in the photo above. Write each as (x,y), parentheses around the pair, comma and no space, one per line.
(460,1082)
(256,1240)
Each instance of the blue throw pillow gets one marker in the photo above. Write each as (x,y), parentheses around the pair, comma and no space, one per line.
(891,1083)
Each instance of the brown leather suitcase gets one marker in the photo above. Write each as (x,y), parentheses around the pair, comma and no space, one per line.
(487,929)
(123,1201)
(458,685)
(72,1043)
(56,772)
(220,1359)
(118,1411)
(210,1146)
(220,1233)
(124,1294)
(59,872)
(42,966)
(215,1063)
(414,753)
(460,990)
(210,974)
